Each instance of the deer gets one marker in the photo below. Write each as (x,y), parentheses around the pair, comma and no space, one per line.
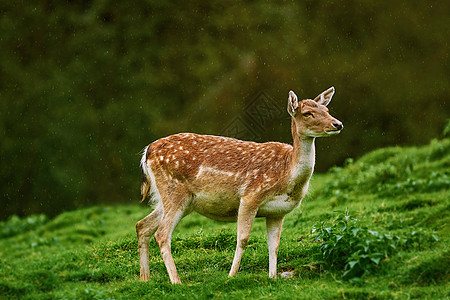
(231,180)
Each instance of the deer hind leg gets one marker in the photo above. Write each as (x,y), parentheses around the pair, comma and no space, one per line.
(174,211)
(145,228)
(273,226)
(246,216)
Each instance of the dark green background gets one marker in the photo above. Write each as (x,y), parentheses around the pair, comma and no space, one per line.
(85,85)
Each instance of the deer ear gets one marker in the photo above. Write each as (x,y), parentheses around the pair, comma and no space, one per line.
(325,97)
(292,104)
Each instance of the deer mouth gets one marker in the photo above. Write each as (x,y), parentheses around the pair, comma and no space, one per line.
(324,133)
(333,132)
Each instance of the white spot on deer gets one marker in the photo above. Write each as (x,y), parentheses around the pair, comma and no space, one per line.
(200,171)
(207,171)
(161,158)
(181,147)
(187,152)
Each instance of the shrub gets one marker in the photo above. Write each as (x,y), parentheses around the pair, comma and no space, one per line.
(356,250)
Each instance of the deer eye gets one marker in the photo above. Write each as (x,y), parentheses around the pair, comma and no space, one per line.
(308,114)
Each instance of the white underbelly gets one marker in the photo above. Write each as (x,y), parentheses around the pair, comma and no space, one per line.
(277,206)
(219,206)
(222,206)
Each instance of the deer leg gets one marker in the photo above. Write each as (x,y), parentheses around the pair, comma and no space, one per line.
(176,206)
(163,237)
(145,228)
(273,226)
(246,215)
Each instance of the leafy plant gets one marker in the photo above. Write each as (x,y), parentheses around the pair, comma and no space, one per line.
(357,250)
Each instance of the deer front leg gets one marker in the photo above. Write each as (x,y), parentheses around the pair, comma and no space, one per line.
(246,215)
(273,226)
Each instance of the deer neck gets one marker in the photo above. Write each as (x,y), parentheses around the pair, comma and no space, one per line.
(303,157)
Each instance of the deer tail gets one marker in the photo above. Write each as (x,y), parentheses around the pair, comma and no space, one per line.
(146,184)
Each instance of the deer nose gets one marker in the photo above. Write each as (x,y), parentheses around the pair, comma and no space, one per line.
(338,125)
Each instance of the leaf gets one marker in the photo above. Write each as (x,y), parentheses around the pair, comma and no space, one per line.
(376,260)
(352,263)
(375,233)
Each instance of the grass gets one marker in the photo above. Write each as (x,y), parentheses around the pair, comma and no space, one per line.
(377,228)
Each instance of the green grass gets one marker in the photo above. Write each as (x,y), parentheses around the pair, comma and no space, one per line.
(393,243)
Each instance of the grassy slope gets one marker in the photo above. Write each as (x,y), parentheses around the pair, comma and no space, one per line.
(92,253)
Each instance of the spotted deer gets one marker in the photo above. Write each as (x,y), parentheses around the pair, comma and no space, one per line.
(226,179)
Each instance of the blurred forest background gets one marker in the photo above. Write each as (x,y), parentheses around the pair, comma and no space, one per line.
(86,85)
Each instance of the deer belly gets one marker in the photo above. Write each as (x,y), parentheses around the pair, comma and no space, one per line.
(219,206)
(277,206)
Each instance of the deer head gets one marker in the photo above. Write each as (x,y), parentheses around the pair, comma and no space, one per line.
(311,118)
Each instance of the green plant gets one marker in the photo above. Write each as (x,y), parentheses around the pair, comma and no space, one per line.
(358,250)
